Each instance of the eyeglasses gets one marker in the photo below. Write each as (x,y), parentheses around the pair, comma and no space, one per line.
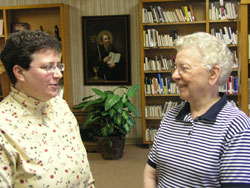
(52,68)
(180,68)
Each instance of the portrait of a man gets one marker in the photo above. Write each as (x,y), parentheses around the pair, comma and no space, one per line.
(106,50)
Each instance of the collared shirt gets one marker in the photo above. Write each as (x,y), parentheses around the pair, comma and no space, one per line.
(211,150)
(40,144)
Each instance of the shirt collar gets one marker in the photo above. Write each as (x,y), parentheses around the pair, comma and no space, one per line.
(29,103)
(210,115)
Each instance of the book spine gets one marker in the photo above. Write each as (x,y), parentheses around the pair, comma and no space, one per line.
(153,14)
(186,13)
(161,84)
(192,12)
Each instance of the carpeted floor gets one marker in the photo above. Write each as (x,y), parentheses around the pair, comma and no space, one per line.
(126,172)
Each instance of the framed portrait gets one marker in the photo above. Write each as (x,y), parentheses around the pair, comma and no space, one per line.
(106,50)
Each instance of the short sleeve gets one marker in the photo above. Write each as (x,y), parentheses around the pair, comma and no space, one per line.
(235,161)
(152,157)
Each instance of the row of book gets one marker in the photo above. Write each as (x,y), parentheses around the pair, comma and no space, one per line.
(156,14)
(160,85)
(152,38)
(158,110)
(154,85)
(153,111)
(225,34)
(150,134)
(162,64)
(231,87)
(158,64)
(223,11)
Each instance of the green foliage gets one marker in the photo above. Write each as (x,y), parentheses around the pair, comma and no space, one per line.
(113,113)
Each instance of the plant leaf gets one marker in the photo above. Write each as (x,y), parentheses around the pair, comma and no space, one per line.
(111,129)
(80,105)
(104,113)
(109,92)
(131,121)
(119,107)
(132,91)
(85,98)
(89,104)
(118,119)
(97,101)
(125,115)
(132,108)
(110,143)
(126,127)
(112,112)
(88,120)
(111,101)
(124,98)
(99,93)
(104,132)
(121,130)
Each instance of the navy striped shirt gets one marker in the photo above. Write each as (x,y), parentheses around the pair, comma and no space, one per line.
(212,150)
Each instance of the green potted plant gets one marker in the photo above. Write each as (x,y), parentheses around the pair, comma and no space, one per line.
(113,114)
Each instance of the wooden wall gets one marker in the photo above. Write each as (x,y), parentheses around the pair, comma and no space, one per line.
(79,8)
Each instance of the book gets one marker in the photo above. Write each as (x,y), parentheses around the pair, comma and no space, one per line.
(146,85)
(236,85)
(153,14)
(161,84)
(154,82)
(179,11)
(212,12)
(192,12)
(185,10)
(1,27)
(150,38)
(115,58)
(249,47)
(176,19)
(144,38)
(166,16)
(150,17)
(170,16)
(144,15)
(160,14)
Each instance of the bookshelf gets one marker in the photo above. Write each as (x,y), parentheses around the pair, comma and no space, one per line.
(244,55)
(47,16)
(158,29)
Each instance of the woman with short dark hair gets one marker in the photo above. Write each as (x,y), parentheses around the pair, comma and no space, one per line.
(40,143)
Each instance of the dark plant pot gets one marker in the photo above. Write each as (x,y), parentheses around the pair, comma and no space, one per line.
(112,148)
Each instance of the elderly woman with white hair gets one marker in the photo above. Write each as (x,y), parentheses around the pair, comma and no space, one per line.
(205,141)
